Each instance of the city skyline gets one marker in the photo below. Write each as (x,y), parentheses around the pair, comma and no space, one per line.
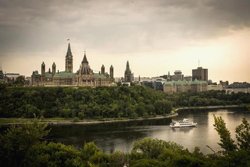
(164,36)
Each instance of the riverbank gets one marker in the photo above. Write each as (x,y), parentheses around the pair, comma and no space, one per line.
(208,107)
(69,121)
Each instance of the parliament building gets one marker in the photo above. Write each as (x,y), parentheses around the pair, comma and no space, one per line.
(83,77)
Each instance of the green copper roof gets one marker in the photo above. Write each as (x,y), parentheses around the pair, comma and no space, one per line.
(48,75)
(198,82)
(64,74)
(99,76)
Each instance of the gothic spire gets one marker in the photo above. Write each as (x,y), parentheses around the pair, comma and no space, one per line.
(127,66)
(69,53)
(69,60)
(85,58)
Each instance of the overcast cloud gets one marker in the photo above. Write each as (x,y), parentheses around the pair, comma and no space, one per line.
(116,25)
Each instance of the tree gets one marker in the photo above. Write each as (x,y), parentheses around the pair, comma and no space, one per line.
(20,80)
(31,111)
(152,148)
(17,140)
(243,135)
(234,155)
(148,163)
(89,150)
(53,154)
(163,107)
(226,142)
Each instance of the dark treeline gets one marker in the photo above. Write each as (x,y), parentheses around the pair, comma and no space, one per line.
(103,102)
(208,98)
(26,145)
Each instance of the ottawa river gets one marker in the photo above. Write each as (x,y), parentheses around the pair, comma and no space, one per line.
(120,136)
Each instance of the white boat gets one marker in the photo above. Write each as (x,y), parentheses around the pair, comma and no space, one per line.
(184,123)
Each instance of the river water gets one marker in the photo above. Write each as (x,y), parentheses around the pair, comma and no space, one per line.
(120,136)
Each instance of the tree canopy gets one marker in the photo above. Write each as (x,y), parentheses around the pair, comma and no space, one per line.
(100,102)
(26,145)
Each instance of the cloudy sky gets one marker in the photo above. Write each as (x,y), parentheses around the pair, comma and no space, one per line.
(156,36)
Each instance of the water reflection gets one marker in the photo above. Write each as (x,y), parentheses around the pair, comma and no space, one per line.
(120,136)
(109,137)
(184,130)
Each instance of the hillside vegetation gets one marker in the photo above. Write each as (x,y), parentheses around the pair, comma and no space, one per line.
(103,102)
(26,145)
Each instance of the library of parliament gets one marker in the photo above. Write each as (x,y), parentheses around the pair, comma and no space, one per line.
(83,77)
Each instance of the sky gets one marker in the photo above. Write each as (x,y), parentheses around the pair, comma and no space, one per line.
(155,36)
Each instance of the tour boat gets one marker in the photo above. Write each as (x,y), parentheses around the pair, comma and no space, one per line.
(184,123)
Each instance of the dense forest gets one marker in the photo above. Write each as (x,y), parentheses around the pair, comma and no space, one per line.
(208,98)
(100,102)
(26,145)
(103,102)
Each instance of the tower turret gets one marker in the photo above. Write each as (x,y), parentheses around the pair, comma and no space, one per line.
(53,68)
(69,60)
(43,69)
(128,75)
(42,72)
(127,67)
(102,69)
(111,72)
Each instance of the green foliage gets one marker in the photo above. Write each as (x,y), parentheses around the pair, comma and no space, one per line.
(208,98)
(152,148)
(53,154)
(243,135)
(17,140)
(20,81)
(100,102)
(189,161)
(103,102)
(147,163)
(226,142)
(118,159)
(89,150)
(25,146)
(233,155)
(161,153)
(100,159)
(163,107)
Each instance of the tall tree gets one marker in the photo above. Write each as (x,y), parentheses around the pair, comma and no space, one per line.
(226,142)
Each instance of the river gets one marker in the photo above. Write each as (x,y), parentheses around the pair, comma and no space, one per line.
(120,136)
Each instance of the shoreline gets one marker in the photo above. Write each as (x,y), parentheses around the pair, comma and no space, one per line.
(62,121)
(72,121)
(209,107)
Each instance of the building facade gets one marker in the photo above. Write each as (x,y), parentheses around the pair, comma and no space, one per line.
(178,76)
(238,87)
(215,87)
(184,86)
(83,77)
(200,74)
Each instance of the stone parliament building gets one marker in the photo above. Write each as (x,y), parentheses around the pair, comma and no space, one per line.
(83,77)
